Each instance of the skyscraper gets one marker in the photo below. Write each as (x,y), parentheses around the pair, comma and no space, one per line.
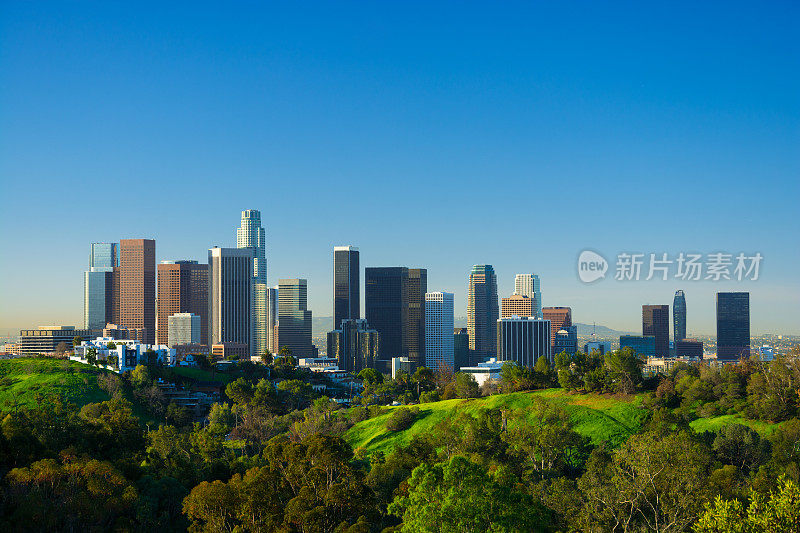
(395,307)
(230,296)
(354,345)
(679,316)
(733,325)
(461,352)
(482,311)
(182,288)
(560,318)
(528,285)
(272,322)
(294,318)
(346,284)
(439,342)
(523,340)
(415,331)
(137,286)
(517,305)
(655,322)
(250,234)
(98,284)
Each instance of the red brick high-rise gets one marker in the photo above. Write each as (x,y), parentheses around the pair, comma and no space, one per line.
(137,286)
(182,288)
(559,317)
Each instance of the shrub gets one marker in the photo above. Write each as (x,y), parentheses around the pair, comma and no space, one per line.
(401,419)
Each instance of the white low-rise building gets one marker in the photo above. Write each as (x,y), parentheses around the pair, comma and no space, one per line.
(483,372)
(123,355)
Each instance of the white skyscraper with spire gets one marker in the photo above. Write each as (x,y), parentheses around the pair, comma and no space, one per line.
(528,285)
(250,234)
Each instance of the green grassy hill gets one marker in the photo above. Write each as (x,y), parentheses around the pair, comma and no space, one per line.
(22,379)
(597,417)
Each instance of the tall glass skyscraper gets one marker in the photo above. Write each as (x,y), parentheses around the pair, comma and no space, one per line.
(346,285)
(655,322)
(250,234)
(529,285)
(98,298)
(439,330)
(733,325)
(679,316)
(482,311)
(230,296)
(294,317)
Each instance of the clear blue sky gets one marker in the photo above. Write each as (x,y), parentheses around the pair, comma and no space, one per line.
(428,134)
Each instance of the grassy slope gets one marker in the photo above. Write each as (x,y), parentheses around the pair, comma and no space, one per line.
(598,417)
(715,422)
(74,382)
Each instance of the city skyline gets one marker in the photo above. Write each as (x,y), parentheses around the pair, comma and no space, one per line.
(275,109)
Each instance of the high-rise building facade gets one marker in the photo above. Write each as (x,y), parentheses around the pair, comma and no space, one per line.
(655,322)
(644,345)
(529,285)
(517,305)
(294,317)
(182,329)
(560,318)
(733,325)
(482,311)
(98,285)
(346,285)
(250,234)
(679,316)
(523,340)
(354,345)
(230,296)
(272,322)
(439,341)
(395,307)
(137,286)
(566,341)
(182,288)
(461,352)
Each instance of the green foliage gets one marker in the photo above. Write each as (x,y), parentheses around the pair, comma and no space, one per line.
(466,498)
(401,419)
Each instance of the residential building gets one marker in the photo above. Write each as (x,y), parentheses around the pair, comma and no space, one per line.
(346,284)
(529,285)
(482,311)
(518,305)
(733,325)
(566,341)
(182,288)
(644,345)
(461,353)
(655,323)
(230,297)
(294,317)
(230,350)
(560,318)
(395,308)
(523,340)
(98,293)
(49,339)
(679,316)
(137,286)
(439,341)
(250,234)
(354,345)
(121,355)
(183,328)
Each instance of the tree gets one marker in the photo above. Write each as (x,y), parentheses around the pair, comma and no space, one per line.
(778,513)
(370,376)
(77,340)
(466,386)
(401,418)
(467,499)
(140,377)
(111,345)
(91,356)
(266,357)
(62,347)
(740,446)
(625,369)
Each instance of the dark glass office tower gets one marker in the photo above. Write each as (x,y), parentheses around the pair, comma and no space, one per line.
(346,285)
(679,317)
(733,325)
(482,311)
(655,322)
(294,317)
(417,286)
(395,308)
